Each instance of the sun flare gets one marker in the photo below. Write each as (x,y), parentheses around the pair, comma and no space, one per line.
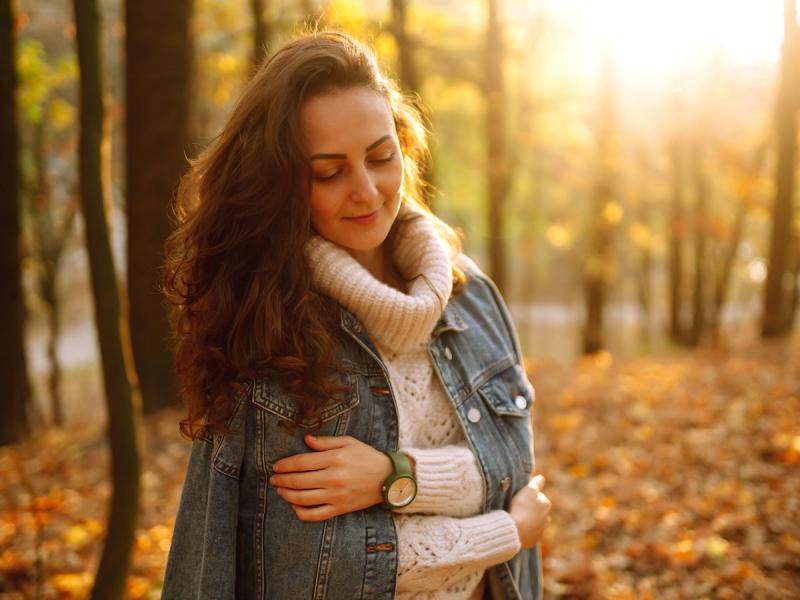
(658,35)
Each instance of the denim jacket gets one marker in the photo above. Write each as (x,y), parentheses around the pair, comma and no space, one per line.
(235,538)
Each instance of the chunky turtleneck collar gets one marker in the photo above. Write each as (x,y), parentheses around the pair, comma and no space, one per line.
(395,320)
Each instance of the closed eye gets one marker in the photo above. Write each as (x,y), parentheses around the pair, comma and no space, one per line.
(383,159)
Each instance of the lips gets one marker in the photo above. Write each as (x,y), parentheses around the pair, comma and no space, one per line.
(363,219)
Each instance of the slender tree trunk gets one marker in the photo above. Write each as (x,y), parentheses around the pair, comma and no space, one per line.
(408,71)
(677,234)
(119,377)
(645,279)
(50,241)
(14,417)
(261,32)
(724,278)
(409,79)
(157,72)
(777,317)
(700,242)
(497,159)
(598,265)
(729,258)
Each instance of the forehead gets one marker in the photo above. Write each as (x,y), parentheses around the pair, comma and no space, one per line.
(345,120)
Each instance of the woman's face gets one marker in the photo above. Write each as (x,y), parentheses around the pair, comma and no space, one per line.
(356,167)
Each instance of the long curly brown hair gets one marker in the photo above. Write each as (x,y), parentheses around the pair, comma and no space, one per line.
(235,275)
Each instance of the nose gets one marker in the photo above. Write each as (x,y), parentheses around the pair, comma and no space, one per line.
(364,188)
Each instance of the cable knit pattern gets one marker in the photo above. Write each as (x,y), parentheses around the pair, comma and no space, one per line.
(394,319)
(444,552)
(448,477)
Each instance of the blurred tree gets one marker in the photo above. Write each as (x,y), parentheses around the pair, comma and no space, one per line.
(498,163)
(158,65)
(119,376)
(409,80)
(14,420)
(51,230)
(700,230)
(746,175)
(676,231)
(262,32)
(604,213)
(777,315)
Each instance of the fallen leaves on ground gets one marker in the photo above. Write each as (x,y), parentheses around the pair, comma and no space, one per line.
(671,477)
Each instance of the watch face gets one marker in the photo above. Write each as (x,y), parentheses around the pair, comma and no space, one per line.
(402,491)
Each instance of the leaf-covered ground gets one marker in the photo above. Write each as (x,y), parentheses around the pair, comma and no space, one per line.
(671,477)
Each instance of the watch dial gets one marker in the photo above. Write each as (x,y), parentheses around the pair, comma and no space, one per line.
(402,491)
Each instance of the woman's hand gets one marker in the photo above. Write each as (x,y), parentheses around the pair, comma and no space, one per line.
(528,509)
(342,475)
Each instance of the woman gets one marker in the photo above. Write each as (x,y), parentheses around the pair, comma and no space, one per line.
(354,384)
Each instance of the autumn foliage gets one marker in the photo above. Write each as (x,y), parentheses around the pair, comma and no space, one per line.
(671,477)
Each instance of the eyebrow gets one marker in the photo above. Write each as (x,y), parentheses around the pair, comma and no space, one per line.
(374,144)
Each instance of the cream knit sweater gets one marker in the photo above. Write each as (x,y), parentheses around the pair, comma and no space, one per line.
(444,543)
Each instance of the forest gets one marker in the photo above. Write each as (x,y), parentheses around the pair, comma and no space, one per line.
(626,172)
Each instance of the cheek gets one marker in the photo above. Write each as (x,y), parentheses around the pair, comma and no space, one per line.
(323,210)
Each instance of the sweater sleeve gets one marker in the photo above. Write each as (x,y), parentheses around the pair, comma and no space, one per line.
(435,552)
(449,481)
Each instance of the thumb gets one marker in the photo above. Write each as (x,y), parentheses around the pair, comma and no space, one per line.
(325,442)
(537,482)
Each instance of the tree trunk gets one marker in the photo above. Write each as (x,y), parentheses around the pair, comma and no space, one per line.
(729,257)
(497,160)
(409,80)
(700,241)
(157,73)
(14,418)
(777,316)
(119,377)
(677,233)
(261,32)
(598,264)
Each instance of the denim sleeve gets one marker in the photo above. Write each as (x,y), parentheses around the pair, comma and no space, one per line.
(202,558)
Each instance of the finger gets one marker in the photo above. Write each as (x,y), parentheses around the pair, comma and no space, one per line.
(327,442)
(537,482)
(316,513)
(300,481)
(312,497)
(307,461)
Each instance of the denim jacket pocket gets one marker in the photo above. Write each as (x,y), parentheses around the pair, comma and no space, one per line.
(271,397)
(509,397)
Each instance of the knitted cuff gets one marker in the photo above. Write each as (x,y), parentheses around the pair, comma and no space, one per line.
(492,536)
(440,475)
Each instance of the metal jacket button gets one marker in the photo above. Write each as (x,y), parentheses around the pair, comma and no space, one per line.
(520,402)
(473,415)
(506,483)
(448,354)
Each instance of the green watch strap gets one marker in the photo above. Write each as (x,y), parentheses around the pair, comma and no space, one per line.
(402,468)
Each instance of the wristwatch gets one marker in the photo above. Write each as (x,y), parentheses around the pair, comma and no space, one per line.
(400,487)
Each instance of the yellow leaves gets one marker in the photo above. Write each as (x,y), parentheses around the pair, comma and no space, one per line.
(81,534)
(386,48)
(75,585)
(613,212)
(683,552)
(223,63)
(579,470)
(61,114)
(716,548)
(567,421)
(559,236)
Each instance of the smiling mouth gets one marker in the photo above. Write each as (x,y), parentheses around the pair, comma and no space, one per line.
(364,217)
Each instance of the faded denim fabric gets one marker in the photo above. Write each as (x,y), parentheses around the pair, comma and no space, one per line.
(235,538)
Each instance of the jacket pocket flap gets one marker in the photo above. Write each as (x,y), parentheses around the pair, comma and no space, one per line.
(507,393)
(273,398)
